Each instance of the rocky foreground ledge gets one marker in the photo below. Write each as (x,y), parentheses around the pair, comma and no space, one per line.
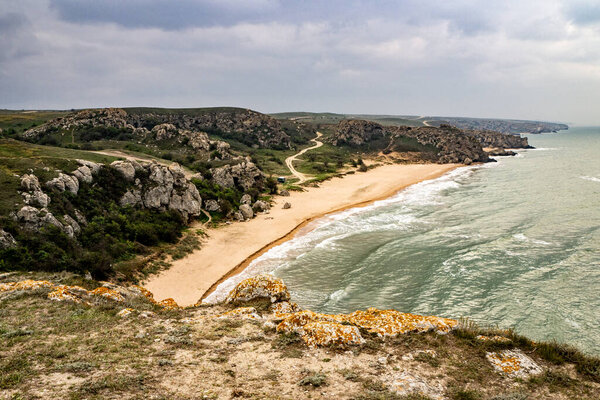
(67,337)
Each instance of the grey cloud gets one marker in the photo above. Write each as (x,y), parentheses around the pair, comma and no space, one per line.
(16,39)
(583,12)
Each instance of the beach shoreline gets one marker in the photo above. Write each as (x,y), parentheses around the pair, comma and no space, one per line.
(231,248)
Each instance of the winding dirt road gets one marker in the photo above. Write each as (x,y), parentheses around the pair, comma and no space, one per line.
(289,161)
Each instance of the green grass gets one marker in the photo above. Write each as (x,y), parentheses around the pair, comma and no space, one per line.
(20,121)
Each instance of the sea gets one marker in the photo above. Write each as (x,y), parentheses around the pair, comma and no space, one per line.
(510,244)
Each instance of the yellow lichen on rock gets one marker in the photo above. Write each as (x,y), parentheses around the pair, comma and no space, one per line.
(495,339)
(168,304)
(25,285)
(261,286)
(513,363)
(125,312)
(330,333)
(108,294)
(392,322)
(72,294)
(283,309)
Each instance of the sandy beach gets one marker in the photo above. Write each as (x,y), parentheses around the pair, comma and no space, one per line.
(230,248)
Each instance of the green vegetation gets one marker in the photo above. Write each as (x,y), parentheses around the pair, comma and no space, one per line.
(112,234)
(13,123)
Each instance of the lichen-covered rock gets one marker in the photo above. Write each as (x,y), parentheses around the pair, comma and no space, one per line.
(25,285)
(392,322)
(283,309)
(261,286)
(246,211)
(108,294)
(494,338)
(126,312)
(330,334)
(168,304)
(513,363)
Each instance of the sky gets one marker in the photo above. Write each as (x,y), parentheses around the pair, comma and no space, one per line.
(476,58)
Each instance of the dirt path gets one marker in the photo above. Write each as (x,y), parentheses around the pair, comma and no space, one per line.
(289,161)
(424,121)
(116,153)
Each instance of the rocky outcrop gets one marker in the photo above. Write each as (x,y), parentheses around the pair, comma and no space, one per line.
(245,175)
(106,117)
(513,363)
(189,126)
(505,126)
(34,219)
(166,188)
(259,287)
(498,140)
(64,182)
(33,194)
(331,329)
(357,132)
(444,145)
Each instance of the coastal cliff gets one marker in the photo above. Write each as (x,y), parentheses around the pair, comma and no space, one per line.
(69,337)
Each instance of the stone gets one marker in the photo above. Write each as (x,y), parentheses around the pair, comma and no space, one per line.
(7,241)
(30,183)
(37,198)
(408,383)
(261,206)
(93,167)
(73,224)
(240,313)
(284,192)
(83,174)
(64,182)
(246,199)
(246,211)
(29,216)
(212,206)
(164,131)
(330,334)
(261,286)
(286,205)
(132,197)
(513,363)
(238,216)
(126,168)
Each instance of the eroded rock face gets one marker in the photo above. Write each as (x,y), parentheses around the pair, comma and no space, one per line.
(357,132)
(166,188)
(245,174)
(212,205)
(33,194)
(64,182)
(261,286)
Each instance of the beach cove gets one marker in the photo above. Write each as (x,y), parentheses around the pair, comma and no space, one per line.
(230,248)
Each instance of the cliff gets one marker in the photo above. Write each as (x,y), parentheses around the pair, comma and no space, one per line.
(69,337)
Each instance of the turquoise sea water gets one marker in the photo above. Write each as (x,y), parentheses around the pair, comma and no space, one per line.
(514,243)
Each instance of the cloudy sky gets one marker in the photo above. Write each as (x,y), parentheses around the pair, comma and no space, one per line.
(481,58)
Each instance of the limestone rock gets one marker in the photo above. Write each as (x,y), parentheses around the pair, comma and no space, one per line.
(212,205)
(84,174)
(164,131)
(286,205)
(30,183)
(245,174)
(284,192)
(93,167)
(261,286)
(238,216)
(246,199)
(513,363)
(132,197)
(261,206)
(126,168)
(6,240)
(406,383)
(29,217)
(73,224)
(246,211)
(36,198)
(330,333)
(64,182)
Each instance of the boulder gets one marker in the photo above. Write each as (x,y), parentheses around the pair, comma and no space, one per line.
(259,287)
(6,240)
(37,198)
(238,216)
(286,205)
(246,199)
(83,174)
(212,205)
(284,192)
(246,211)
(222,176)
(126,168)
(30,183)
(94,167)
(64,182)
(164,131)
(73,224)
(157,197)
(513,363)
(29,216)
(261,206)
